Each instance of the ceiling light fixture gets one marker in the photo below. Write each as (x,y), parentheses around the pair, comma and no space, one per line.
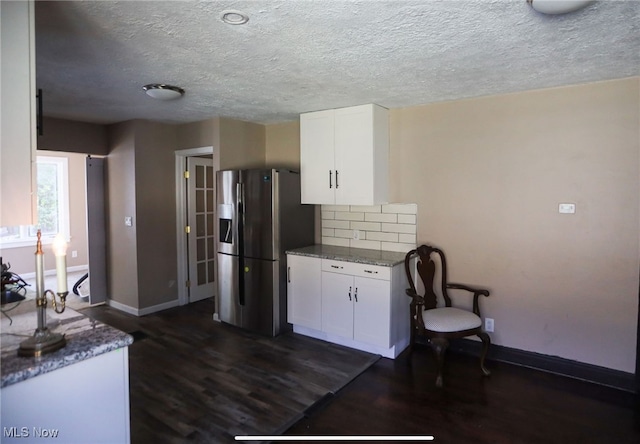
(233,17)
(163,92)
(555,7)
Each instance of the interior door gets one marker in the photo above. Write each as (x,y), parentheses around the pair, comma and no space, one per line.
(200,220)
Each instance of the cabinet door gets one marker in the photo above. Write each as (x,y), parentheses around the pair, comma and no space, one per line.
(337,304)
(17,133)
(303,291)
(354,155)
(372,312)
(317,171)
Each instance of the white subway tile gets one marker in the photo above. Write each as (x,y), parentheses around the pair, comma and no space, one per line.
(335,224)
(344,233)
(401,248)
(381,217)
(399,228)
(346,215)
(369,245)
(367,208)
(368,226)
(328,214)
(387,237)
(330,232)
(400,208)
(335,207)
(335,241)
(407,219)
(407,238)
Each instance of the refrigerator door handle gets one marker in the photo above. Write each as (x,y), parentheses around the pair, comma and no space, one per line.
(240,215)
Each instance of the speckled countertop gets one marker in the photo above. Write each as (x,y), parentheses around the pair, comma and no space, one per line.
(358,255)
(85,337)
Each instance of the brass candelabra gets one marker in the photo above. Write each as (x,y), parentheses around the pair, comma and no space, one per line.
(44,340)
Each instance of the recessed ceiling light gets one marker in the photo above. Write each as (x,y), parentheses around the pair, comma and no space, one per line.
(233,17)
(558,6)
(163,92)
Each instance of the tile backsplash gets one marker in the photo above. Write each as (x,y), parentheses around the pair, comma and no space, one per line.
(389,227)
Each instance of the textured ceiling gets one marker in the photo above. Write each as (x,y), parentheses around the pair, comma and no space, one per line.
(295,56)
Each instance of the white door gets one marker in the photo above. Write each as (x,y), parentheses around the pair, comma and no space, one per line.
(200,221)
(317,171)
(337,304)
(372,312)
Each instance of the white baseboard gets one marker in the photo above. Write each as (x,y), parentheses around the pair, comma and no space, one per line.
(142,312)
(73,269)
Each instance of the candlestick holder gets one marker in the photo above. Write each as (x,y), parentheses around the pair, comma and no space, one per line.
(44,340)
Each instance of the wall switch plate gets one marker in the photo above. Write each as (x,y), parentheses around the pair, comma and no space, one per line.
(567,208)
(128,221)
(488,325)
(74,253)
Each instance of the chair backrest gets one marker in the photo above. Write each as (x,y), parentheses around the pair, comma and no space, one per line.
(427,270)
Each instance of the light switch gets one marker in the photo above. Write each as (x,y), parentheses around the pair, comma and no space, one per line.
(127,221)
(567,208)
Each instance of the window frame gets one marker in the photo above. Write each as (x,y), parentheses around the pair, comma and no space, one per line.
(25,239)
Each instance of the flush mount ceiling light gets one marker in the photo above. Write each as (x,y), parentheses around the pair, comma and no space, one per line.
(233,17)
(163,92)
(558,6)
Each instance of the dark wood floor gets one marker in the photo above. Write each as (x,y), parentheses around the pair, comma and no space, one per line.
(196,380)
(513,405)
(173,398)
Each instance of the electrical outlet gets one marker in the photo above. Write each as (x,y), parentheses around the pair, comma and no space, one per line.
(74,253)
(488,325)
(356,234)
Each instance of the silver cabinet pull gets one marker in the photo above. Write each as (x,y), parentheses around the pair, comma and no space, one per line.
(289,274)
(355,295)
(338,267)
(371,271)
(330,183)
(336,179)
(349,293)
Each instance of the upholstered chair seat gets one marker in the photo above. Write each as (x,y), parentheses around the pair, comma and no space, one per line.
(450,319)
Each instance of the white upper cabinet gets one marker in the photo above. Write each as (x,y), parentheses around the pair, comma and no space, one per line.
(344,156)
(18,104)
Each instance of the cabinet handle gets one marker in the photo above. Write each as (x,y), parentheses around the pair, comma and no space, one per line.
(355,295)
(349,293)
(330,183)
(336,179)
(338,267)
(289,274)
(371,271)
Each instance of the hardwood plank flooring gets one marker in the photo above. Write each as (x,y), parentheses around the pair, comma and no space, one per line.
(514,405)
(196,380)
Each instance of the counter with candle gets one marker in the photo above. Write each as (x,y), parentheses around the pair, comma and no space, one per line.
(85,383)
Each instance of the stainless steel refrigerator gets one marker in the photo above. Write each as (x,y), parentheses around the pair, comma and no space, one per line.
(259,217)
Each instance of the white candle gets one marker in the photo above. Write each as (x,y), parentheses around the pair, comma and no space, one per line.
(39,273)
(60,251)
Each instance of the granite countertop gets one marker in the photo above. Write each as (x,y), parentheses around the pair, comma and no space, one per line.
(85,337)
(358,255)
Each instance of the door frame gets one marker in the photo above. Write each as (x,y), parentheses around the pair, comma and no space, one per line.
(181,216)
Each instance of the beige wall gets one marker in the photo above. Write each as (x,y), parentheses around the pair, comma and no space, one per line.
(155,192)
(242,144)
(74,137)
(122,258)
(22,260)
(488,175)
(283,145)
(199,134)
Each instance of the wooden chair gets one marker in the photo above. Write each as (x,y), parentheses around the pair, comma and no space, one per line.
(439,324)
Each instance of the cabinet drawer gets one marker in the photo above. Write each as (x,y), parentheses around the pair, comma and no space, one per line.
(356,269)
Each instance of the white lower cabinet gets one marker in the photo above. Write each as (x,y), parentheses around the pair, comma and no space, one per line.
(357,305)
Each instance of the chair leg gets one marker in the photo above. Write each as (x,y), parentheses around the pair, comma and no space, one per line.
(440,346)
(486,340)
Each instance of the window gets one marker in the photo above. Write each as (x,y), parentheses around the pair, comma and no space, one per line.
(53,206)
